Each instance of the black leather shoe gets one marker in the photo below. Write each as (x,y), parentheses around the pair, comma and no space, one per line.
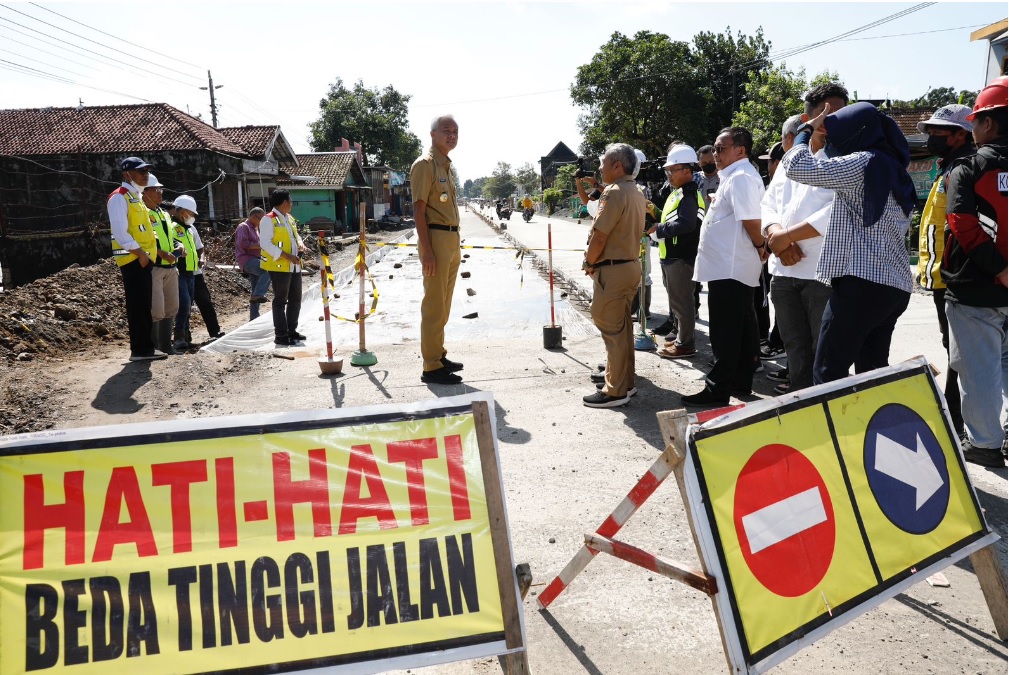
(665,329)
(283,342)
(704,399)
(295,335)
(440,376)
(451,366)
(598,378)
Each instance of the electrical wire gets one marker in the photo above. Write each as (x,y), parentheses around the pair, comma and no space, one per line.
(35,72)
(100,44)
(119,64)
(44,63)
(51,11)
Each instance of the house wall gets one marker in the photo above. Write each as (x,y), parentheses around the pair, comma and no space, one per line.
(313,203)
(52,208)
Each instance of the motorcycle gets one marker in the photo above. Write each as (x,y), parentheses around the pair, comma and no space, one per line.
(506,213)
(527,214)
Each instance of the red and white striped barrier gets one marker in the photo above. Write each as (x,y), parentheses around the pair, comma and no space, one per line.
(644,488)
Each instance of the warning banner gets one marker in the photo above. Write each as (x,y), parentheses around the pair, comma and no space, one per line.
(275,543)
(816,508)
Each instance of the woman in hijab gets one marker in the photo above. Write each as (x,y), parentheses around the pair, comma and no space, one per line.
(864,259)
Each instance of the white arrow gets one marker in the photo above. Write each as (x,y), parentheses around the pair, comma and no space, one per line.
(911,467)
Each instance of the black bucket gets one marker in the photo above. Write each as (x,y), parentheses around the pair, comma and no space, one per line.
(552,337)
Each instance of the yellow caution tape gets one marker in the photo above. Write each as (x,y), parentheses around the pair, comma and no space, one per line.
(496,248)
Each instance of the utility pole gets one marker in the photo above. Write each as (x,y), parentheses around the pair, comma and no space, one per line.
(213,104)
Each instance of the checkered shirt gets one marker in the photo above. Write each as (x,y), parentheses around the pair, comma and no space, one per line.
(876,253)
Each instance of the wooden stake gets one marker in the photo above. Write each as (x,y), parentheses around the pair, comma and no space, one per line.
(516,663)
(993,584)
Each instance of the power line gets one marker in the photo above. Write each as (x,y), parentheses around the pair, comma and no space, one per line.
(120,64)
(112,36)
(100,44)
(26,70)
(922,32)
(72,72)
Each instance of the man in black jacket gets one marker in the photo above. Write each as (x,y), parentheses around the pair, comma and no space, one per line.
(678,234)
(975,272)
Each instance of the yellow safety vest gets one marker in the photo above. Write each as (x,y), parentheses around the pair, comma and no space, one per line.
(283,233)
(673,203)
(931,236)
(192,259)
(138,224)
(164,231)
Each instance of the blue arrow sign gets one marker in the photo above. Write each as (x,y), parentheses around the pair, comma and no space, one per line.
(906,469)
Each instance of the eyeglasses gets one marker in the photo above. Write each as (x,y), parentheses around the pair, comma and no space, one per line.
(675,168)
(143,171)
(719,148)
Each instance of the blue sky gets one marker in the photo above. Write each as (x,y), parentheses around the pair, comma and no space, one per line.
(503,69)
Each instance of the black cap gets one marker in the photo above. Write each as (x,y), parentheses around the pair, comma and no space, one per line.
(131,163)
(775,153)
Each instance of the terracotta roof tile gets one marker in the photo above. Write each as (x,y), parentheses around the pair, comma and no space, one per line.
(255,140)
(326,168)
(907,118)
(126,129)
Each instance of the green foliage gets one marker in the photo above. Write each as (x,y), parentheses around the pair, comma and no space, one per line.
(936,97)
(565,180)
(772,96)
(643,91)
(650,90)
(551,197)
(375,118)
(718,54)
(527,179)
(501,184)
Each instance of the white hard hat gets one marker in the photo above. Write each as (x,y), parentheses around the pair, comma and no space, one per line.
(639,158)
(680,154)
(152,181)
(186,202)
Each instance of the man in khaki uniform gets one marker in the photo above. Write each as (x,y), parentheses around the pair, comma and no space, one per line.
(612,262)
(437,218)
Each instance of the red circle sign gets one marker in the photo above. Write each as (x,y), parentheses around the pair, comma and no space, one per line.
(784,520)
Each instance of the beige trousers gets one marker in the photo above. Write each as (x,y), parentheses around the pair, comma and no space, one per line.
(437,303)
(613,289)
(164,293)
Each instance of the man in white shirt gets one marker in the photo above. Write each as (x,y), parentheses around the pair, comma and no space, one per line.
(281,247)
(729,258)
(794,218)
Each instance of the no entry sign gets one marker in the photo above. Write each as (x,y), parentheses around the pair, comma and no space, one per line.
(821,505)
(784,520)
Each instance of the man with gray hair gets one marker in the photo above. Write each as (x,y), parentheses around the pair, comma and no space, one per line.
(788,131)
(248,254)
(612,262)
(437,220)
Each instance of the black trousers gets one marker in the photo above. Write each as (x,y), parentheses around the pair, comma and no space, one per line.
(286,302)
(856,328)
(732,326)
(201,296)
(952,390)
(137,287)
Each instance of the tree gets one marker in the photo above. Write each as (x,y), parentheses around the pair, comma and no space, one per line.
(718,55)
(644,91)
(375,118)
(528,179)
(772,96)
(501,184)
(467,188)
(936,97)
(651,90)
(565,180)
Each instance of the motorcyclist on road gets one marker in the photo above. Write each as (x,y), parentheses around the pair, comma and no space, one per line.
(527,208)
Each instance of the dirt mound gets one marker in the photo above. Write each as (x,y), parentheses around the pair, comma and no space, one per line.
(75,308)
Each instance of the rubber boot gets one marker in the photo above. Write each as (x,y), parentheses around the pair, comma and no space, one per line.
(164,341)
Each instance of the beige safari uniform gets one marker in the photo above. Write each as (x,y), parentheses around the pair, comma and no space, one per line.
(431,182)
(621,216)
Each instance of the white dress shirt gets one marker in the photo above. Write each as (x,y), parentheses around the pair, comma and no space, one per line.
(790,203)
(725,250)
(266,227)
(119,220)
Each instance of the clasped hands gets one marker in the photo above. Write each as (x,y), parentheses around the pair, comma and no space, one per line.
(781,244)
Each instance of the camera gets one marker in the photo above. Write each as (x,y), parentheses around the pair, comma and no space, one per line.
(582,173)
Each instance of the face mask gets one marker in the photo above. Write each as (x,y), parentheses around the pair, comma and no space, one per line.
(937,146)
(139,189)
(708,168)
(189,220)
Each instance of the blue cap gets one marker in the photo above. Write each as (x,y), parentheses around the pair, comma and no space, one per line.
(131,163)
